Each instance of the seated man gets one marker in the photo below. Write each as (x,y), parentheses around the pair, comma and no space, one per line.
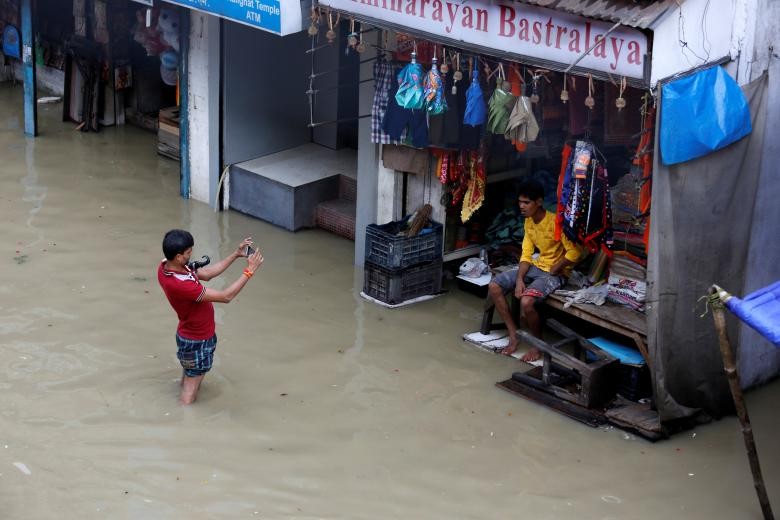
(534,279)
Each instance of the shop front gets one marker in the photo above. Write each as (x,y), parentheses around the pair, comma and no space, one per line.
(472,99)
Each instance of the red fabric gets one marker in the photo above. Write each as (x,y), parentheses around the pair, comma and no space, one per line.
(644,159)
(565,156)
(185,293)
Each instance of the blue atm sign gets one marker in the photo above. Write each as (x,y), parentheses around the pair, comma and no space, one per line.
(263,14)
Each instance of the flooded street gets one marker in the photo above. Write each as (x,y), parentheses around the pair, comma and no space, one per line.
(320,404)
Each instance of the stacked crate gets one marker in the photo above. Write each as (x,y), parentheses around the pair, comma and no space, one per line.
(399,268)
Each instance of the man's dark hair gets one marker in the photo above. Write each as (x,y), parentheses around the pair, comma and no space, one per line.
(176,241)
(532,189)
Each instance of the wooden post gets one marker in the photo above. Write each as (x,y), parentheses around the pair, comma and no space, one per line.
(730,367)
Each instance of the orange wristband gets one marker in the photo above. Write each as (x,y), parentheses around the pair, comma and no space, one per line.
(248,273)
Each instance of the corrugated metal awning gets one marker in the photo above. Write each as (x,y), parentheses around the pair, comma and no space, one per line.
(641,14)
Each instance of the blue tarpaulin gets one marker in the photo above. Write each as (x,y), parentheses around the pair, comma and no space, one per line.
(700,114)
(760,310)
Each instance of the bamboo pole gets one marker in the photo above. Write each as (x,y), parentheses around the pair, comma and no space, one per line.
(730,367)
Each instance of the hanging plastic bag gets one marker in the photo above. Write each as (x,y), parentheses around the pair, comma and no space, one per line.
(700,114)
(476,111)
(433,90)
(410,85)
(500,105)
(522,126)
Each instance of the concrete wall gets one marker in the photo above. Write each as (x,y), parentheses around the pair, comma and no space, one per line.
(203,106)
(368,156)
(714,43)
(264,106)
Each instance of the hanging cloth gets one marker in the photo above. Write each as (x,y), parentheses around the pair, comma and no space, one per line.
(433,90)
(522,126)
(476,111)
(475,193)
(383,80)
(410,86)
(499,107)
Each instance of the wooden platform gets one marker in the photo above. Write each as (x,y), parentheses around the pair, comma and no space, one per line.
(610,316)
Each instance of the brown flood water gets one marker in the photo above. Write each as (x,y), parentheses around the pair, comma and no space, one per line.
(320,404)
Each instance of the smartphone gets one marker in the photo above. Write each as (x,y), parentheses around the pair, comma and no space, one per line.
(249,251)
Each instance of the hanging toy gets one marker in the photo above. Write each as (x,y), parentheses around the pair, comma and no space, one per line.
(315,20)
(620,102)
(564,92)
(444,69)
(535,87)
(352,38)
(590,102)
(331,34)
(361,47)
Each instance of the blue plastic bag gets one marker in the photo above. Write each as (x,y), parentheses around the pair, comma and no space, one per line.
(700,114)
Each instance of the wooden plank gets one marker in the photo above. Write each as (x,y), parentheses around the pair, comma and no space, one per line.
(610,316)
(592,418)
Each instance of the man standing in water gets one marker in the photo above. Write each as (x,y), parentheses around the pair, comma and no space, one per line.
(537,276)
(195,335)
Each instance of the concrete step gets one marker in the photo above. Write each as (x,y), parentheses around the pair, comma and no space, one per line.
(347,188)
(336,216)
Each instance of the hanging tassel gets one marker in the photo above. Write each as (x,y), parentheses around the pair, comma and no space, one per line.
(315,19)
(352,39)
(361,47)
(331,34)
(444,69)
(620,102)
(535,87)
(565,92)
(590,102)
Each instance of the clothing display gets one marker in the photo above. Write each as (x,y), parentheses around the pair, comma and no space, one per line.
(499,108)
(522,126)
(584,203)
(410,86)
(383,80)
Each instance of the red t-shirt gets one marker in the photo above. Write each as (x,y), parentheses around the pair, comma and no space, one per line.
(185,294)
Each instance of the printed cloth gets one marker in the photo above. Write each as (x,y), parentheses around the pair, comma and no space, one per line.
(383,80)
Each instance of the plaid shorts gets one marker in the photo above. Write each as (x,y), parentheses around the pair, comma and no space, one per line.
(538,284)
(196,355)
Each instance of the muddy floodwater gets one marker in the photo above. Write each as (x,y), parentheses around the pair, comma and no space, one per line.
(320,404)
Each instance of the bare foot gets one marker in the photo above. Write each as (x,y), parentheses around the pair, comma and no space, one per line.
(509,349)
(532,355)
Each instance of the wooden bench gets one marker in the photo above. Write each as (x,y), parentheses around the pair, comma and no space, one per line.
(610,316)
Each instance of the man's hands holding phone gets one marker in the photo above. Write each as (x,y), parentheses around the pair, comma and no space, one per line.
(254,259)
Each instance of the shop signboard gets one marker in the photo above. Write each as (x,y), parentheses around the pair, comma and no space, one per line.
(512,28)
(280,17)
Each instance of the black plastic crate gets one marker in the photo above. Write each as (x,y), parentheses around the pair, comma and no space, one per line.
(396,286)
(385,248)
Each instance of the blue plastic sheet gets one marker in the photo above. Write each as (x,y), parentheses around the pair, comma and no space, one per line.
(700,114)
(760,310)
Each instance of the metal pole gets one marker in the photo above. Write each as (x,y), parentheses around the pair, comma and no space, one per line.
(28,70)
(184,97)
(730,367)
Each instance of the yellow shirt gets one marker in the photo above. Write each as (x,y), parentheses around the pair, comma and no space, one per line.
(541,237)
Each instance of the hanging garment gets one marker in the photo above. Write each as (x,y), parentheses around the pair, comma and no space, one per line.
(584,210)
(405,125)
(433,91)
(383,80)
(522,126)
(499,108)
(476,111)
(475,194)
(410,86)
(517,90)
